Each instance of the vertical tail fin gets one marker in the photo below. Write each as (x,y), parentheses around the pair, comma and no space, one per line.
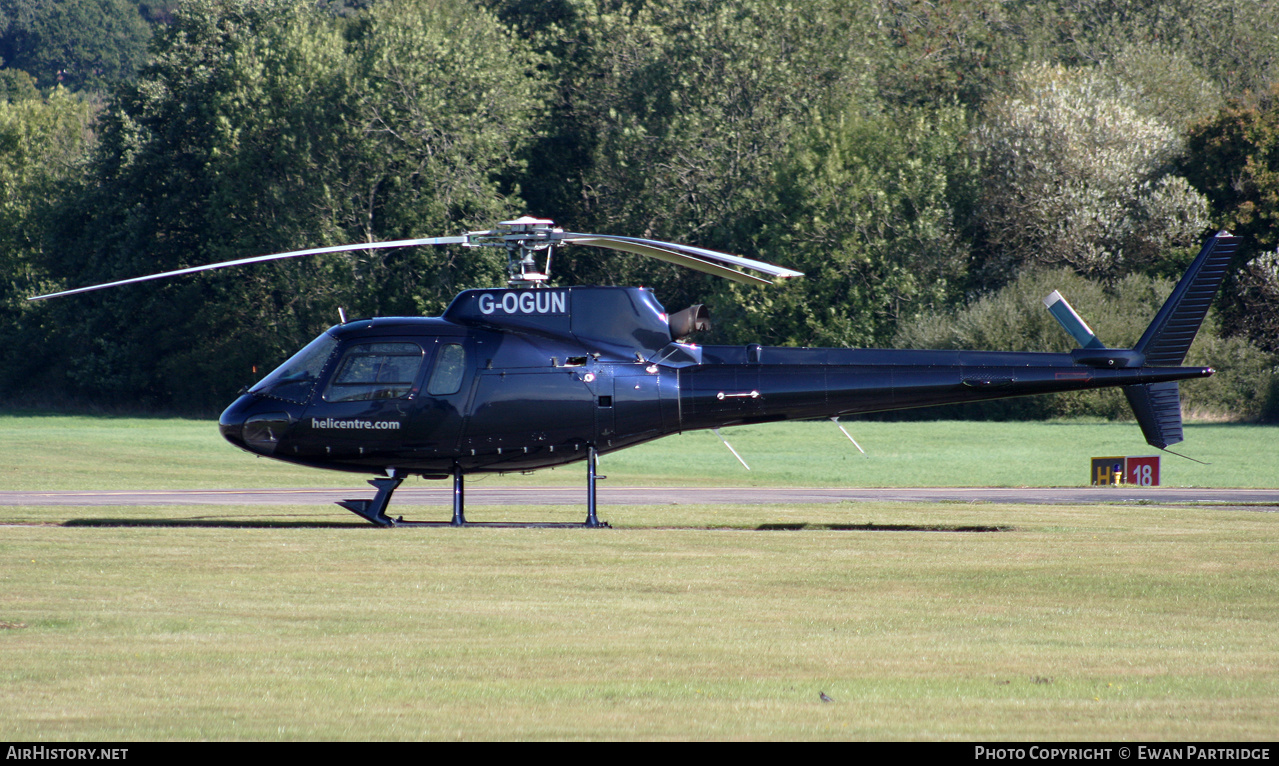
(1168,338)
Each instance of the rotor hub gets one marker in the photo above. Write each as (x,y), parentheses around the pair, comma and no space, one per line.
(525,240)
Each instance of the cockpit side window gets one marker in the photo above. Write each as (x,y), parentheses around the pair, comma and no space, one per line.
(375,371)
(450,368)
(294,380)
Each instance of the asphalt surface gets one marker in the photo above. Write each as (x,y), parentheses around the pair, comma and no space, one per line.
(441,496)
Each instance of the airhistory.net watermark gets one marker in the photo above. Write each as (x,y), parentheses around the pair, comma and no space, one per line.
(42,753)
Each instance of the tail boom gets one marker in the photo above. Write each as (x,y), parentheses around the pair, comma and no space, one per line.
(878,380)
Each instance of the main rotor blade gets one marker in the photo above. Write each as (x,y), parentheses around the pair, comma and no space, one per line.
(670,256)
(261,259)
(699,254)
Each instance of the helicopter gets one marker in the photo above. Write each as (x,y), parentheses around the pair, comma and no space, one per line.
(534,376)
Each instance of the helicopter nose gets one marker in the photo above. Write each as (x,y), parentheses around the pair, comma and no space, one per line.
(258,432)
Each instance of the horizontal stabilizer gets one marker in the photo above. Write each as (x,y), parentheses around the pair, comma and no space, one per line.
(1158,410)
(1168,338)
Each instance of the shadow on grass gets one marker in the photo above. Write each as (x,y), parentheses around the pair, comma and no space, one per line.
(206,523)
(881,528)
(216,523)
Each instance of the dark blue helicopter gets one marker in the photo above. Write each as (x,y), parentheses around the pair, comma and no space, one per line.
(532,376)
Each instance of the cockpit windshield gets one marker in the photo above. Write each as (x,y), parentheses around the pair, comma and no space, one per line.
(295,379)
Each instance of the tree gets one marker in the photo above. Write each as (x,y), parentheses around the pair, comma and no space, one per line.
(862,205)
(670,116)
(76,43)
(1071,175)
(930,51)
(1233,159)
(448,100)
(44,146)
(265,125)
(17,85)
(1251,305)
(1161,82)
(1179,57)
(1230,41)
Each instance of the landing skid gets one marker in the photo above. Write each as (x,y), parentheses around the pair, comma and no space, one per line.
(374,511)
(501,524)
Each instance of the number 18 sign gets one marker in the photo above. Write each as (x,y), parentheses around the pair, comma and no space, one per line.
(1142,471)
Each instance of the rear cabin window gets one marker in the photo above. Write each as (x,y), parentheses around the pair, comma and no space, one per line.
(375,371)
(450,366)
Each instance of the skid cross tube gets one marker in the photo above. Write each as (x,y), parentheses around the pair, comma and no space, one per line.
(375,510)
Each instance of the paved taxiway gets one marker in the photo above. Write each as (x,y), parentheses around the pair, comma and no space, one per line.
(479,495)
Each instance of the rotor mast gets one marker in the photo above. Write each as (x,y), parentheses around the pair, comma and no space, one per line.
(529,236)
(524,239)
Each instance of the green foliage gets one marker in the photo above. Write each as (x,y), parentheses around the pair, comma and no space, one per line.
(861,206)
(75,43)
(1234,160)
(1232,42)
(43,142)
(17,85)
(447,99)
(1160,81)
(1014,318)
(157,11)
(932,51)
(671,115)
(43,147)
(904,154)
(1245,386)
(265,126)
(1250,307)
(1178,57)
(1071,175)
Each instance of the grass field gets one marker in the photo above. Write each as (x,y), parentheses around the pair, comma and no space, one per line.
(44,452)
(1061,623)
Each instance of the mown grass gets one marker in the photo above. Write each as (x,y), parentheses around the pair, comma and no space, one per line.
(1093,623)
(52,452)
(683,622)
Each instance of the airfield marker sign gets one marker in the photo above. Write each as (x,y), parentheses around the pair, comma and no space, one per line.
(1138,470)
